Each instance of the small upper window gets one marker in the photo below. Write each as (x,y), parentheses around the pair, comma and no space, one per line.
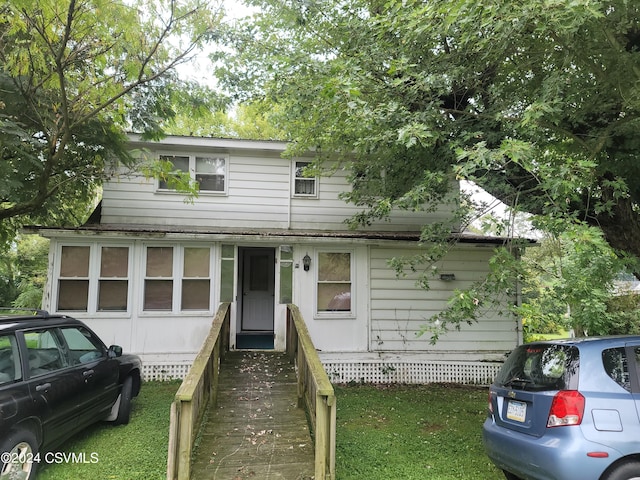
(304,186)
(209,171)
(179,163)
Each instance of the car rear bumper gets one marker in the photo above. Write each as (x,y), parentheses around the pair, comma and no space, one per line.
(560,454)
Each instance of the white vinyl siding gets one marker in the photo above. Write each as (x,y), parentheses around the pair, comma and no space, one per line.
(400,309)
(259,194)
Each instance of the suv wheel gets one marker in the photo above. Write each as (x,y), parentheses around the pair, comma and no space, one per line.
(627,471)
(18,458)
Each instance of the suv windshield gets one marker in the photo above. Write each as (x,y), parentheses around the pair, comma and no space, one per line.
(540,367)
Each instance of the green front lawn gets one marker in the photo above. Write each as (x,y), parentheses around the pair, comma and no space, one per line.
(383,433)
(412,432)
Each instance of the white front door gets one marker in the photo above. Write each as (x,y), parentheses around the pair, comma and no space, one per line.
(258,279)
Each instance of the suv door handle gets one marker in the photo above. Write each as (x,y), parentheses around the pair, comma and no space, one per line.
(87,373)
(43,387)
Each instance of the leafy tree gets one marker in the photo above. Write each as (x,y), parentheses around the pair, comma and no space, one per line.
(569,282)
(75,74)
(247,121)
(537,102)
(23,272)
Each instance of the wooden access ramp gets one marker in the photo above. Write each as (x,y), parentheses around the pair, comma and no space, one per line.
(254,414)
(256,430)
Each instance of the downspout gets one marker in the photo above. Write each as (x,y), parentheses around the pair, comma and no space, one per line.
(290,194)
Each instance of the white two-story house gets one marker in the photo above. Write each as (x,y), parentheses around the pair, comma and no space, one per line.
(149,270)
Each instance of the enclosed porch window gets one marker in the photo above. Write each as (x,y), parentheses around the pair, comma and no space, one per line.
(334,282)
(177,278)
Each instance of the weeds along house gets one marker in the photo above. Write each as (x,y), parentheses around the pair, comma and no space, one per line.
(149,270)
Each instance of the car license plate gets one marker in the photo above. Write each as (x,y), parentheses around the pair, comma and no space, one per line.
(516,411)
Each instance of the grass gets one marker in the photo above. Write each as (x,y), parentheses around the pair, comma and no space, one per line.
(391,432)
(411,432)
(137,451)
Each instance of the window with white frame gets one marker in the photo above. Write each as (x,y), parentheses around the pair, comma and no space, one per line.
(82,266)
(303,185)
(177,278)
(334,282)
(113,282)
(210,171)
(158,279)
(73,281)
(196,281)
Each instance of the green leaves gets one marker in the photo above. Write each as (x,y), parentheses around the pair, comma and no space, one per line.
(75,76)
(537,102)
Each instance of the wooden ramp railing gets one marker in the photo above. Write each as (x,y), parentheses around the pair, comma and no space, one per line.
(197,391)
(315,392)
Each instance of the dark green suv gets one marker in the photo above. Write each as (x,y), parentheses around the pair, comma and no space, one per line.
(56,378)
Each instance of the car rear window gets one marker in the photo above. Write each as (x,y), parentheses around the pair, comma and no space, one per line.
(540,367)
(615,364)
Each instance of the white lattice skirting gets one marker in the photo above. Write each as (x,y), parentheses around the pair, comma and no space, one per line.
(472,373)
(165,371)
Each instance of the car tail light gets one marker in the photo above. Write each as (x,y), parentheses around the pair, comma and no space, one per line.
(490,404)
(567,408)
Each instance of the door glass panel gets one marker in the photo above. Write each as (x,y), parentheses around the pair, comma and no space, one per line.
(82,347)
(259,274)
(9,360)
(44,352)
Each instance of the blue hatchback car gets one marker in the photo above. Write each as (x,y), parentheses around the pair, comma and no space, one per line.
(567,410)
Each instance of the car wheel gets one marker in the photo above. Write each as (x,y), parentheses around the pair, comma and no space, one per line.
(626,471)
(124,410)
(510,476)
(18,457)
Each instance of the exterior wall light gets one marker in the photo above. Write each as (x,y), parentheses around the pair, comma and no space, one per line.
(447,277)
(306,262)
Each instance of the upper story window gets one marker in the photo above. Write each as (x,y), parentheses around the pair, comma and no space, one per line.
(303,186)
(210,171)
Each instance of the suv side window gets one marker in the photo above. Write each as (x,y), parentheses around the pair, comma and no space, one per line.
(9,360)
(45,352)
(83,347)
(616,366)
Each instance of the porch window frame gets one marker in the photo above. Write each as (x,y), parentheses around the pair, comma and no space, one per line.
(177,278)
(193,171)
(295,178)
(93,278)
(339,314)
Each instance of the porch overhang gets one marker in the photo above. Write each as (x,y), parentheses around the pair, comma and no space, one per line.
(250,235)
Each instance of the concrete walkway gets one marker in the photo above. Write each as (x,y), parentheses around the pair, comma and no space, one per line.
(255,431)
